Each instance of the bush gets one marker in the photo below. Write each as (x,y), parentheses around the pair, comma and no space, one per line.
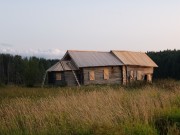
(2,85)
(168,122)
(139,129)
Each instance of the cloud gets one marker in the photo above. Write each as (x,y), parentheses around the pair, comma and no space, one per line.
(6,45)
(49,53)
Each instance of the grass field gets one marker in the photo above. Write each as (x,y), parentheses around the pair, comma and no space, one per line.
(138,109)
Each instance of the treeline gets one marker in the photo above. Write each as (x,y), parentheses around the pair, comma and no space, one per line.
(168,62)
(30,71)
(23,71)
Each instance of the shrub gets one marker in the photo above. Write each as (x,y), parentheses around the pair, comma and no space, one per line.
(168,121)
(139,129)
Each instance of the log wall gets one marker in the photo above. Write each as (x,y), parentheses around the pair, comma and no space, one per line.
(138,73)
(115,75)
(52,78)
(69,78)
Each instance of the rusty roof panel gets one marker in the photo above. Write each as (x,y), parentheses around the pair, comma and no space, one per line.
(135,58)
(94,58)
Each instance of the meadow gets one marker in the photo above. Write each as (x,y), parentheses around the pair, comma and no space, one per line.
(137,109)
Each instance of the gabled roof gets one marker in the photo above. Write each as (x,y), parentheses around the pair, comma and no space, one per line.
(62,66)
(92,58)
(134,58)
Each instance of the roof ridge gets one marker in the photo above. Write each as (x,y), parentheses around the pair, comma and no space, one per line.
(127,51)
(85,51)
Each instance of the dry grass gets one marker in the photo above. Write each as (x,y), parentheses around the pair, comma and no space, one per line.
(88,110)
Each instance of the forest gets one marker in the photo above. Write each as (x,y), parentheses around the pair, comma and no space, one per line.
(168,62)
(23,71)
(18,70)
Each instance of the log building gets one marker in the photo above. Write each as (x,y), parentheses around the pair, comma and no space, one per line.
(94,67)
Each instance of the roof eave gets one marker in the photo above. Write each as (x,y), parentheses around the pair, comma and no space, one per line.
(101,66)
(141,65)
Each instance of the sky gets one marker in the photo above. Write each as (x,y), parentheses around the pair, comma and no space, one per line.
(47,28)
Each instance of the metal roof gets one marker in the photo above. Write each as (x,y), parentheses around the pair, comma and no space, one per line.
(93,58)
(62,66)
(134,58)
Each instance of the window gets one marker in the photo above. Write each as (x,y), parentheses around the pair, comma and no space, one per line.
(139,75)
(149,77)
(58,76)
(106,74)
(91,75)
(131,75)
(112,70)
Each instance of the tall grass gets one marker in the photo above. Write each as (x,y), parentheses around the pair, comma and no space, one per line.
(148,109)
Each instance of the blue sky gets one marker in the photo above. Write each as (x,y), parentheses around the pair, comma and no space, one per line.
(49,28)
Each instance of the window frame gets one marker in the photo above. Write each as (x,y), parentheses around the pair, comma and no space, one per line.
(106,74)
(58,76)
(91,75)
